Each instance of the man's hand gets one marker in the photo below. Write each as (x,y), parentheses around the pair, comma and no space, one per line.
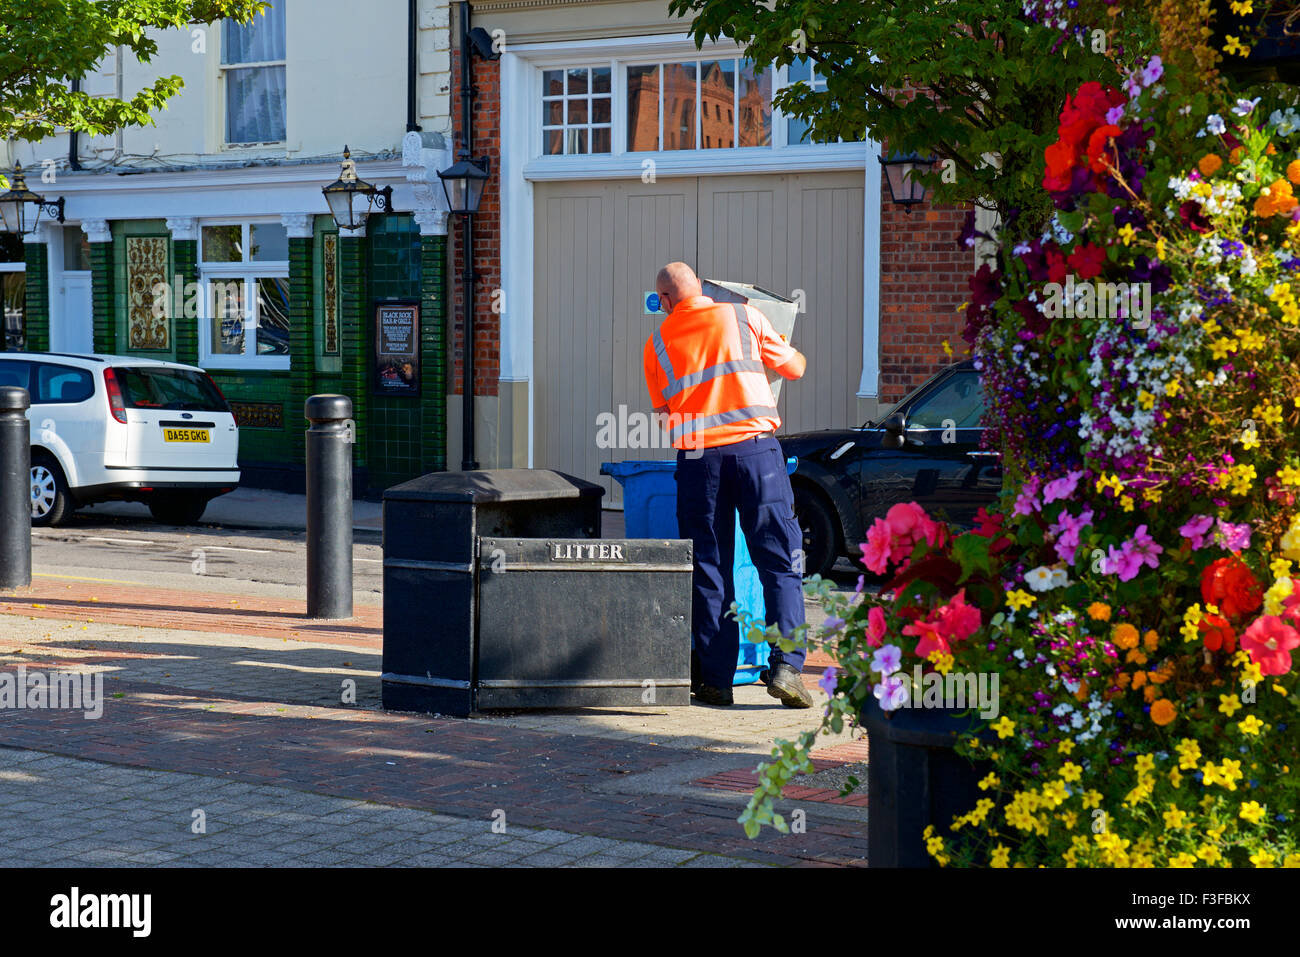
(794,367)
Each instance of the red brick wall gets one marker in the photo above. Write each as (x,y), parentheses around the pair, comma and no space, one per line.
(923,283)
(487,232)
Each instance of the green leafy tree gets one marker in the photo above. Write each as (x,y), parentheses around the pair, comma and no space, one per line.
(975,83)
(47,44)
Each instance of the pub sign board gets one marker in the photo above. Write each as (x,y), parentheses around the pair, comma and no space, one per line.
(397,347)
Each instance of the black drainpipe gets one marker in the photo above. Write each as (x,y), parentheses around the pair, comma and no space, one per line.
(468,460)
(412,70)
(73,163)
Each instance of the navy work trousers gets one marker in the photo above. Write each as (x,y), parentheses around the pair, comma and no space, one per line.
(748,476)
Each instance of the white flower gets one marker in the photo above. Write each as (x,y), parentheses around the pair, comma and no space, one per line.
(1244,107)
(1214,124)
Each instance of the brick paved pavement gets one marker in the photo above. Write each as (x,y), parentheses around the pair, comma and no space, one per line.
(259,711)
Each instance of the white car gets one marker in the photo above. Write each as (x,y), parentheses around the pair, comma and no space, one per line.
(114,427)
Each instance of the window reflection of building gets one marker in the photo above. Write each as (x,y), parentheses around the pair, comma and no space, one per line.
(13,292)
(712,84)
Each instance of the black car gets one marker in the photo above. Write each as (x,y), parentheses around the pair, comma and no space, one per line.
(926,450)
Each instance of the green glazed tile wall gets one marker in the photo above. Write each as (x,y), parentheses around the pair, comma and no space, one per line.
(37,257)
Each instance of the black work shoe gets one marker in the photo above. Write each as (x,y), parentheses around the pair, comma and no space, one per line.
(707,694)
(786,685)
(696,671)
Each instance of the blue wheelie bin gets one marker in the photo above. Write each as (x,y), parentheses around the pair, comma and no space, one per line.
(650,511)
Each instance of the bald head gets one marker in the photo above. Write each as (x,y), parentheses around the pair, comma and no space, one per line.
(675,282)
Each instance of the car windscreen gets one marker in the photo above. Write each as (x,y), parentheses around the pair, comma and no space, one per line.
(958,402)
(173,389)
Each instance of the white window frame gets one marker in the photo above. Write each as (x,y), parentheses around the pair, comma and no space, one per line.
(565,97)
(780,154)
(249,271)
(224,68)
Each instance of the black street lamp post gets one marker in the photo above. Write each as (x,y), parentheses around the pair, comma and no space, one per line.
(13,205)
(345,196)
(905,188)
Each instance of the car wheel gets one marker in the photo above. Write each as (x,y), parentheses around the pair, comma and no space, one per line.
(51,503)
(177,508)
(818,526)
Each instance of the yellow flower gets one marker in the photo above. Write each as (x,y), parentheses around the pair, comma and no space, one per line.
(1175,778)
(1019,598)
(1071,771)
(1126,233)
(1065,746)
(1160,245)
(1208,853)
(1291,860)
(1091,799)
(1189,752)
(1171,387)
(1146,763)
(1241,7)
(1182,859)
(1110,481)
(1174,817)
(1005,727)
(1262,858)
(1250,674)
(1269,412)
(1252,811)
(1250,725)
(1126,502)
(1001,855)
(1229,704)
(1289,475)
(942,662)
(989,781)
(1223,347)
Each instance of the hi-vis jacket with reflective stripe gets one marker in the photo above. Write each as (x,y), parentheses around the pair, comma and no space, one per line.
(706,365)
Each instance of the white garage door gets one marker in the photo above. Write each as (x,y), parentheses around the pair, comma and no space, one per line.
(598,246)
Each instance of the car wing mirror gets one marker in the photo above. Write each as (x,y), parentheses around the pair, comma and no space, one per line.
(894,426)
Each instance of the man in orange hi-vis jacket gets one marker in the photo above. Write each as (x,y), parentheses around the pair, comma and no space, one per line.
(706,368)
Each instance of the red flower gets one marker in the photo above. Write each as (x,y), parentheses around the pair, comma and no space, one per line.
(1096,150)
(1269,641)
(988,526)
(1088,260)
(1056,267)
(1228,583)
(1192,217)
(955,621)
(1217,633)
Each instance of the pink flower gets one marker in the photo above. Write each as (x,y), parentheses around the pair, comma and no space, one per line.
(875,551)
(1145,547)
(954,621)
(1234,538)
(1061,488)
(1195,530)
(886,660)
(1269,641)
(828,681)
(892,538)
(1027,501)
(875,626)
(1066,530)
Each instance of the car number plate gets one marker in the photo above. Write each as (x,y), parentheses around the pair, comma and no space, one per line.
(186,435)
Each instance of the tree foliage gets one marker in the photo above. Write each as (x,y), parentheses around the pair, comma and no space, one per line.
(47,44)
(976,82)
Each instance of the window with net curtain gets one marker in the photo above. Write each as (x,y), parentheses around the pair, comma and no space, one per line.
(252,59)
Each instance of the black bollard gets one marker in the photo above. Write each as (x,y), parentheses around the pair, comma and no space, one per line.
(329,506)
(15,488)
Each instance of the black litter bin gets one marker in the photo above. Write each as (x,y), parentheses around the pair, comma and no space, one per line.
(499,593)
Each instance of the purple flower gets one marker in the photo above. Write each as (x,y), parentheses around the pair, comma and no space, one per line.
(1195,530)
(1115,114)
(832,624)
(1027,501)
(892,693)
(886,659)
(828,680)
(1153,71)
